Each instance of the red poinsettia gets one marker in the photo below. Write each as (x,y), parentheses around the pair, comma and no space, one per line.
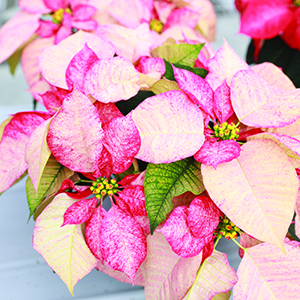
(264,19)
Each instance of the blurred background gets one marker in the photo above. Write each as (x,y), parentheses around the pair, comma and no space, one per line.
(23,272)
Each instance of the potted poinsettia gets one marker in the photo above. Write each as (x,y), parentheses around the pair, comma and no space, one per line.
(183,148)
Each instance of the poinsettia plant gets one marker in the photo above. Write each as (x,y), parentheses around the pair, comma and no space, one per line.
(146,156)
(274,27)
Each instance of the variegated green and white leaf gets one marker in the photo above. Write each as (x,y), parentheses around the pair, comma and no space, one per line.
(53,176)
(2,126)
(63,248)
(37,153)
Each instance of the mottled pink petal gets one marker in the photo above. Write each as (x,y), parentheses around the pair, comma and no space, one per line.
(144,222)
(203,217)
(130,43)
(197,89)
(65,30)
(104,166)
(38,88)
(288,141)
(122,140)
(69,140)
(180,236)
(208,250)
(224,64)
(129,13)
(291,34)
(148,65)
(123,242)
(258,104)
(222,103)
(266,272)
(81,192)
(51,101)
(107,111)
(128,179)
(184,199)
(163,9)
(213,153)
(78,67)
(112,80)
(34,6)
(54,60)
(265,19)
(56,4)
(166,133)
(163,267)
(247,241)
(139,180)
(83,12)
(16,32)
(132,200)
(12,146)
(182,16)
(88,25)
(139,278)
(80,211)
(47,29)
(273,75)
(29,59)
(92,231)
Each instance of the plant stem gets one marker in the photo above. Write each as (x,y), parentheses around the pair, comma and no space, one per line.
(239,244)
(136,166)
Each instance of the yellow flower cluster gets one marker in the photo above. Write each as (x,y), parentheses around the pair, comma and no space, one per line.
(103,186)
(57,16)
(227,229)
(226,131)
(156,25)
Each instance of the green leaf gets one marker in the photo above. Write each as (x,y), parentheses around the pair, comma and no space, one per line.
(165,181)
(184,54)
(169,74)
(63,248)
(14,60)
(53,176)
(2,126)
(198,71)
(42,206)
(163,85)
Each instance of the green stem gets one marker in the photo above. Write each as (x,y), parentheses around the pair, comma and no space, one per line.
(237,124)
(82,180)
(136,166)
(239,244)
(216,243)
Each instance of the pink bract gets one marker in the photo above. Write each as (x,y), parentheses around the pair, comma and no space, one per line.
(111,80)
(122,140)
(13,143)
(69,140)
(166,134)
(80,211)
(123,243)
(265,20)
(16,32)
(54,60)
(180,237)
(92,231)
